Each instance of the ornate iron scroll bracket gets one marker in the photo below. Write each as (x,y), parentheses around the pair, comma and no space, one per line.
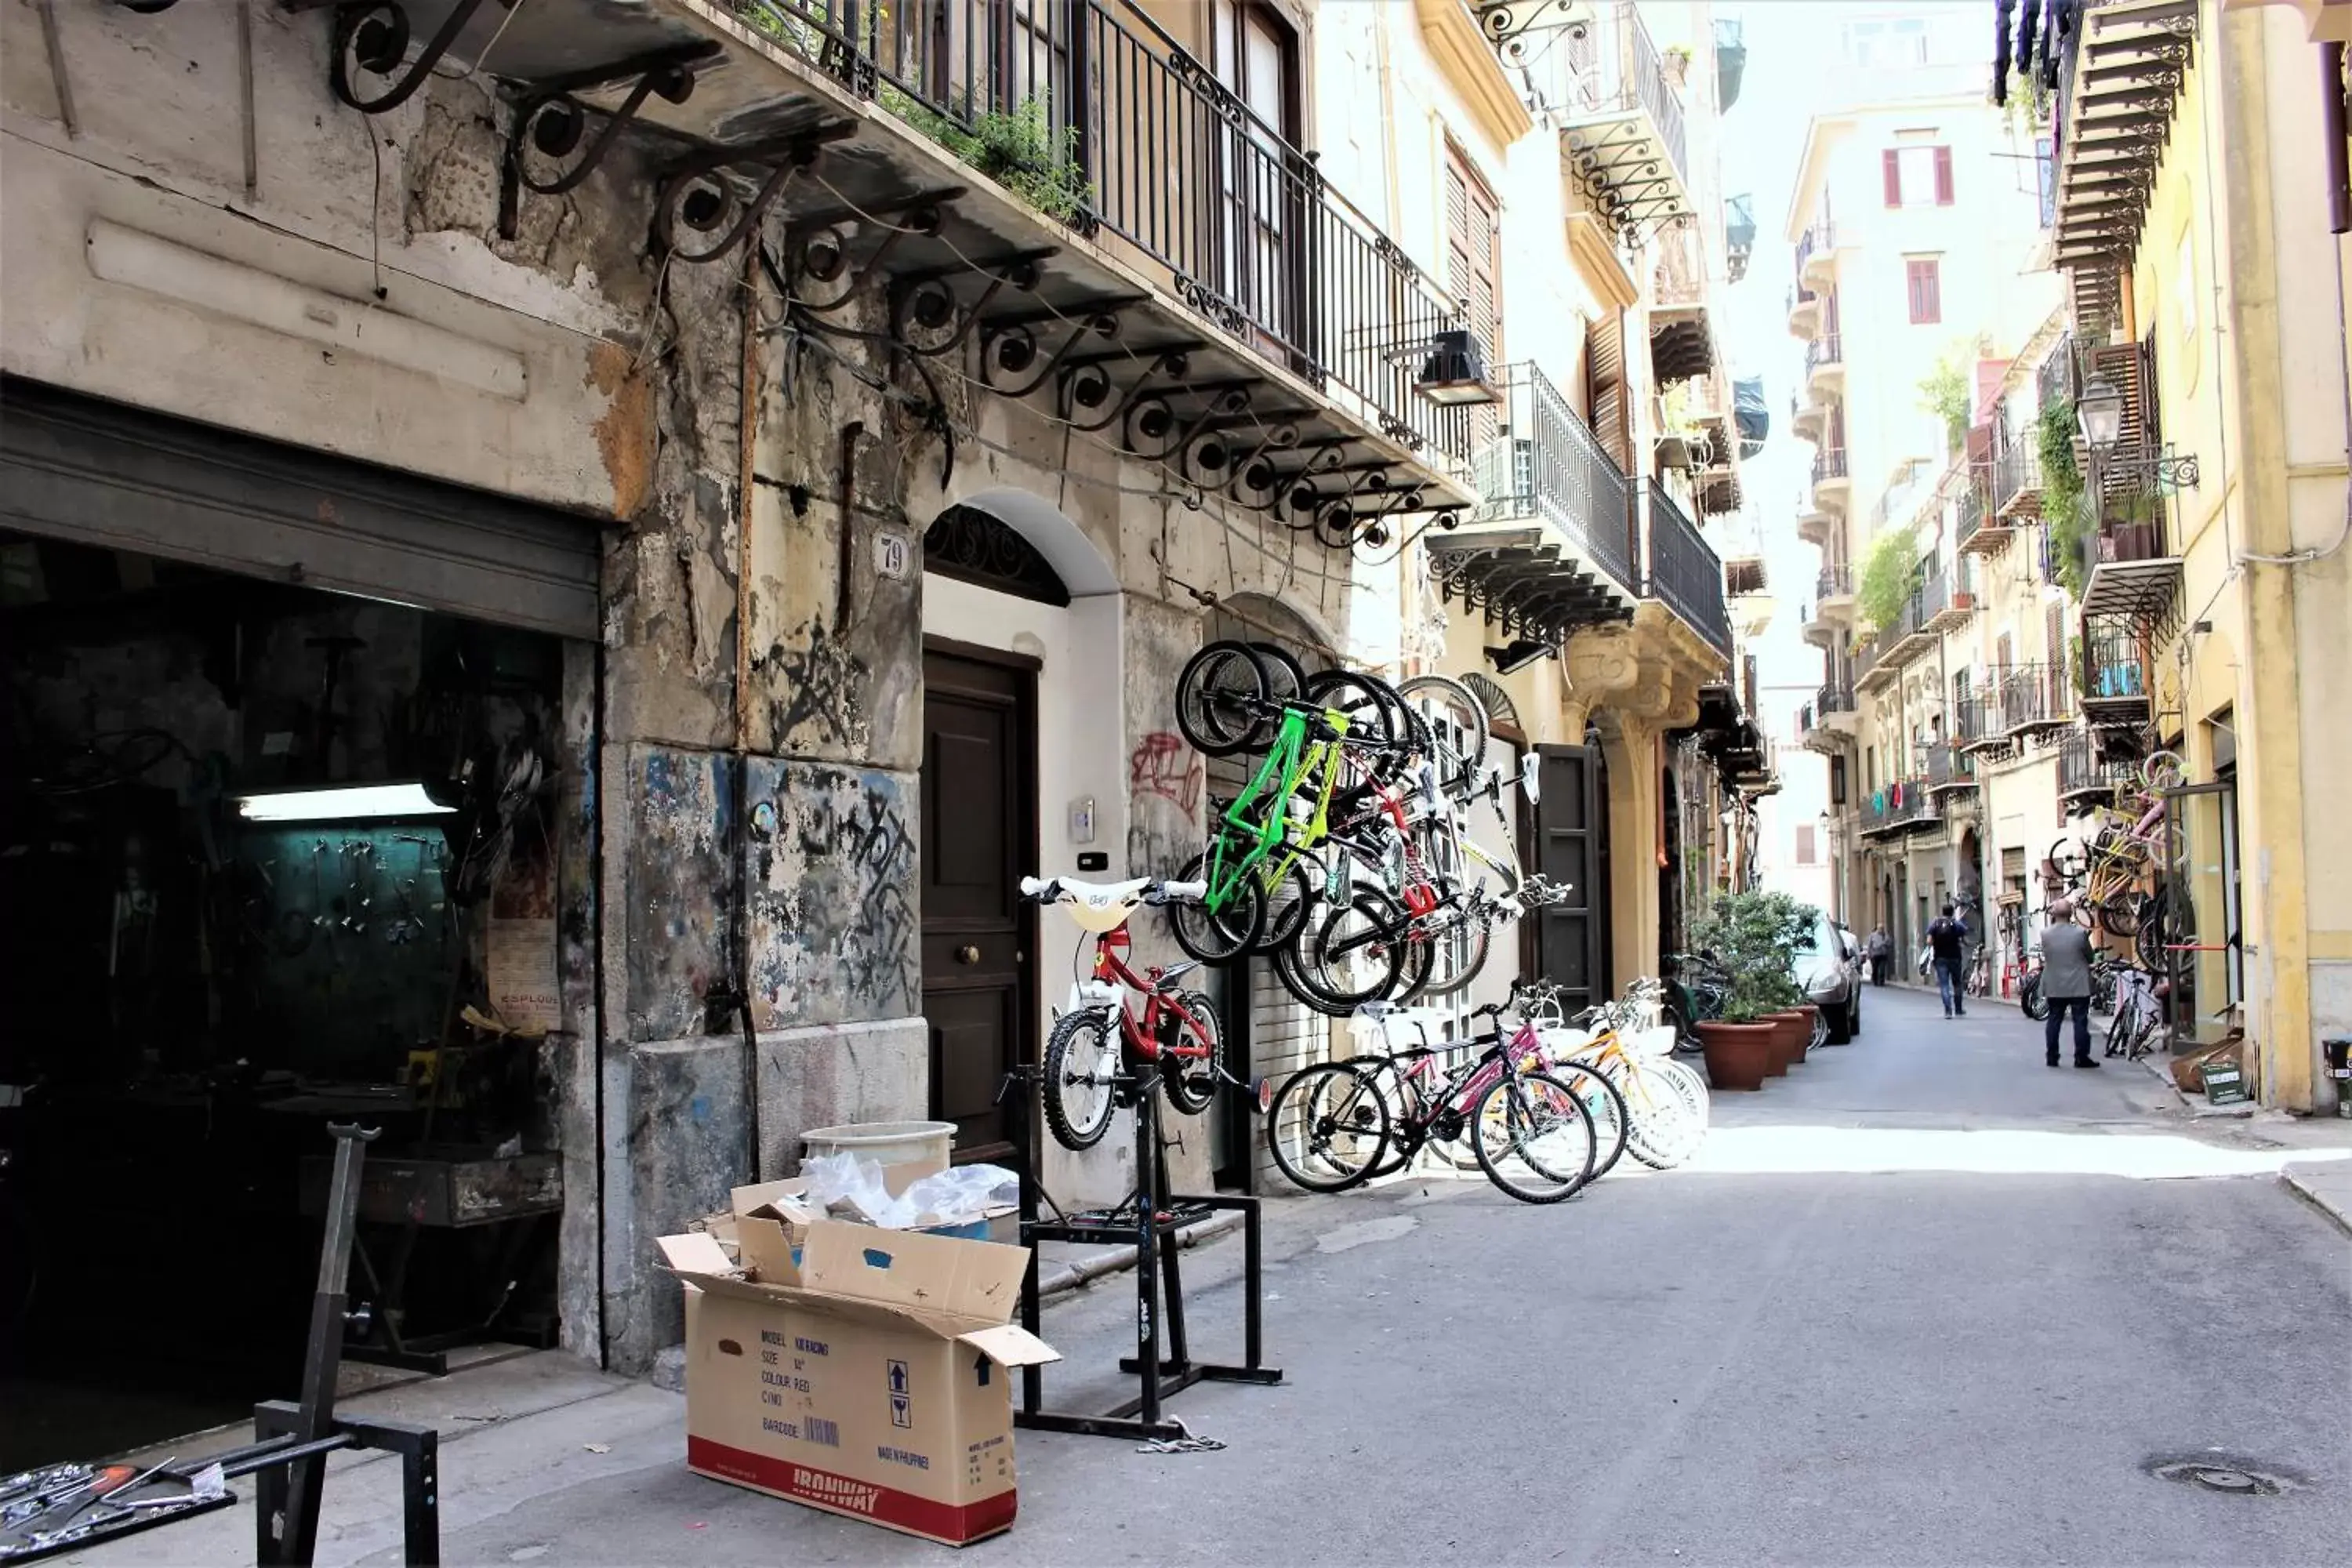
(1508,24)
(552,121)
(698,200)
(374,35)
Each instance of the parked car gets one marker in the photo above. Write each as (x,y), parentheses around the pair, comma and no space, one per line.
(1828,970)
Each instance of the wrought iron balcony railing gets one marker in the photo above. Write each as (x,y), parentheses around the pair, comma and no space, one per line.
(2081,772)
(1819,237)
(1546,462)
(1683,572)
(1949,768)
(1836,582)
(2035,697)
(2017,476)
(1969,511)
(1834,698)
(1825,349)
(1622,120)
(1829,463)
(2115,673)
(1899,804)
(1126,132)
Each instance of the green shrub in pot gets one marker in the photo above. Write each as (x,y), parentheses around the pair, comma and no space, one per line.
(1758,936)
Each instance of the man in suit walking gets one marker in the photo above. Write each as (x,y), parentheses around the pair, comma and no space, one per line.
(2067,982)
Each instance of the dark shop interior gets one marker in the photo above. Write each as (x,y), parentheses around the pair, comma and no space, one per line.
(271,859)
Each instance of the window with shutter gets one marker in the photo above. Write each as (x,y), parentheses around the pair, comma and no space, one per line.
(1923,278)
(1604,370)
(2053,635)
(1473,244)
(1943,176)
(1891,175)
(1804,843)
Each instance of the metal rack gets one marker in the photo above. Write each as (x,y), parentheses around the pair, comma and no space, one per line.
(1156,1212)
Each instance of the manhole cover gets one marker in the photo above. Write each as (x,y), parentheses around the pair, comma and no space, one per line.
(2226,1474)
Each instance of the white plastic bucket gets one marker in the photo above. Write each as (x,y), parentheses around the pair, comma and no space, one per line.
(887,1142)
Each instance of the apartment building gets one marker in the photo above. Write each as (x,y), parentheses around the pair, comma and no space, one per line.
(1561,165)
(2200,212)
(1916,215)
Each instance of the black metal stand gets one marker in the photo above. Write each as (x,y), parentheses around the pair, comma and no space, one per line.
(291,1441)
(1158,1288)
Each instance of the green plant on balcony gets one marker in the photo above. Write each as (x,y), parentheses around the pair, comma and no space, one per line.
(2063,512)
(1889,572)
(1020,150)
(1944,393)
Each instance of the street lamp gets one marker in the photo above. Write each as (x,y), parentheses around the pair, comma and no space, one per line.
(2100,412)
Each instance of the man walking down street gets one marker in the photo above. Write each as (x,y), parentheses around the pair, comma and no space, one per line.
(1944,939)
(2067,982)
(1882,953)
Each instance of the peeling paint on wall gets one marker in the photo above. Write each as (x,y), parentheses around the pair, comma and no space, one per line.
(678,889)
(834,932)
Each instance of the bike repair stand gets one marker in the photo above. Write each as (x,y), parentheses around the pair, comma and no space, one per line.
(1158,1282)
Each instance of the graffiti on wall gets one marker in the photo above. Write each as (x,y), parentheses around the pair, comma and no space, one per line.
(835,932)
(1163,764)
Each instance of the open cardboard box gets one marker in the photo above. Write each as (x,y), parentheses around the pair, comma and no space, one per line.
(860,1371)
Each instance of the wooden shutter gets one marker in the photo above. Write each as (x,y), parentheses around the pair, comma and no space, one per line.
(1473,244)
(2053,635)
(1891,169)
(1837,781)
(1604,369)
(1925,288)
(1943,176)
(1804,843)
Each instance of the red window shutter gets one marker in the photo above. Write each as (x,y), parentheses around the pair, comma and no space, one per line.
(1933,277)
(1891,161)
(1943,176)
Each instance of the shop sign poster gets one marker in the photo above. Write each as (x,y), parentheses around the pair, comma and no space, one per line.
(521,943)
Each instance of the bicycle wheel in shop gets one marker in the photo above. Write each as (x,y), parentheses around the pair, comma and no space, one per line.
(1459,723)
(1191,1082)
(1223,935)
(1219,698)
(1668,1124)
(1327,1127)
(1286,678)
(1375,714)
(1387,1081)
(1352,954)
(1289,902)
(1535,1137)
(1613,1124)
(1457,955)
(1080,1072)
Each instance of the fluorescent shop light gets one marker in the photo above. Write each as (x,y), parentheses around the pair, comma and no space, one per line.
(351,803)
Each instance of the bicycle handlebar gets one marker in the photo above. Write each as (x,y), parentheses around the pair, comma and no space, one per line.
(1143,891)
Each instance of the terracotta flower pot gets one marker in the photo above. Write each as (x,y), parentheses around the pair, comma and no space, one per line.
(1784,1040)
(1738,1055)
(1813,1017)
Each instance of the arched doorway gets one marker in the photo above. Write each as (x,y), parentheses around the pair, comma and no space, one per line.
(1021,667)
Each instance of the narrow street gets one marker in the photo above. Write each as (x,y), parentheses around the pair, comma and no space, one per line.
(1923,1302)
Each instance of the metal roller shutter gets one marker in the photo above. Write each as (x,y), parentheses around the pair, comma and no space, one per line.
(106,474)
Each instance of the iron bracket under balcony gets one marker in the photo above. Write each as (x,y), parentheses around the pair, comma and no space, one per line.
(1525,584)
(815,135)
(1622,135)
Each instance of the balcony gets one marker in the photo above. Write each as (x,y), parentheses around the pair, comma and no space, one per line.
(1804,312)
(1684,573)
(2083,777)
(1549,546)
(1622,120)
(2034,700)
(1825,723)
(1979,529)
(1139,204)
(1834,589)
(1825,365)
(1911,636)
(1831,484)
(2122,67)
(2115,674)
(2016,482)
(1681,337)
(1738,233)
(2134,572)
(1960,604)
(1950,769)
(1817,254)
(1905,807)
(1872,669)
(1807,418)
(1818,629)
(1976,721)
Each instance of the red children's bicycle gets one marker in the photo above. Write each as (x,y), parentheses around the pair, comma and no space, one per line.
(1103,1045)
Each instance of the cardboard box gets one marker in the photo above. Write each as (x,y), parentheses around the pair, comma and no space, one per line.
(859,1370)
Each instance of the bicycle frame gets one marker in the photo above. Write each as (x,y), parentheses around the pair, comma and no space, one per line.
(1294,761)
(1162,1013)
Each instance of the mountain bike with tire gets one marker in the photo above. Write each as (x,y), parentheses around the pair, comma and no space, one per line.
(1631,1042)
(1535,1135)
(1105,1044)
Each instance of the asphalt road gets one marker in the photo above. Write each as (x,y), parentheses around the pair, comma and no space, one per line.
(1925,1301)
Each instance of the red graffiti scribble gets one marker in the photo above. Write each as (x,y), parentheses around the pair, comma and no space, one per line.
(1163,765)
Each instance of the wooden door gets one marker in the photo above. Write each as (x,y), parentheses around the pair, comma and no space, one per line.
(1570,937)
(980,838)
